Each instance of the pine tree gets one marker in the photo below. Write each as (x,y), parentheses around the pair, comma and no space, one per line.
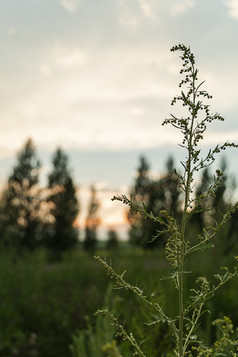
(211,207)
(165,195)
(140,193)
(21,202)
(220,204)
(203,218)
(60,234)
(112,240)
(92,222)
(161,194)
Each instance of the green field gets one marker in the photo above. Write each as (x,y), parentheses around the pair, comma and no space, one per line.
(43,304)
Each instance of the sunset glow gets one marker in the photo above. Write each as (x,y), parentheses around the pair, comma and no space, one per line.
(97,78)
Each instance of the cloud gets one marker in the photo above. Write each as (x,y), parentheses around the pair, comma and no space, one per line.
(148,7)
(11,31)
(69,57)
(137,110)
(212,138)
(128,15)
(62,56)
(70,5)
(98,104)
(85,87)
(131,14)
(181,7)
(45,70)
(232,8)
(6,152)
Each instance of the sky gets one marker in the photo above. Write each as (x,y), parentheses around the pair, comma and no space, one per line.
(96,77)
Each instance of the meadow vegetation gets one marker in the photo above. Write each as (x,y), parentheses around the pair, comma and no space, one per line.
(171,290)
(48,306)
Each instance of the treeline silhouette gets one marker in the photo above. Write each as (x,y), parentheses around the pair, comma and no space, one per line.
(164,194)
(33,217)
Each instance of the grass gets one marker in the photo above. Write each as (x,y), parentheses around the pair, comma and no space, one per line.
(43,304)
(47,301)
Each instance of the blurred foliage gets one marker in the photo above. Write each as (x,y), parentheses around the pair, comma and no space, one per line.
(59,232)
(157,194)
(97,339)
(32,216)
(43,305)
(92,222)
(21,202)
(45,302)
(112,242)
(164,193)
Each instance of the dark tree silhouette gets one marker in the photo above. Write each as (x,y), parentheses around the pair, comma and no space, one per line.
(140,193)
(165,195)
(220,203)
(203,218)
(157,195)
(60,234)
(21,202)
(92,222)
(112,240)
(212,208)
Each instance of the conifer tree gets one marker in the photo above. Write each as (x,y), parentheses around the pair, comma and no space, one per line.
(112,240)
(61,233)
(161,194)
(92,222)
(21,201)
(214,206)
(220,203)
(140,193)
(202,218)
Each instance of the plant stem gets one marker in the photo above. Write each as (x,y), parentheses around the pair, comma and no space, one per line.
(181,283)
(184,218)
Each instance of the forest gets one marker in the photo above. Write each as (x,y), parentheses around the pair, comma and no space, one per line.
(161,293)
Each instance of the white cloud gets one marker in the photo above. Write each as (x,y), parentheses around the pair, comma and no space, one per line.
(128,15)
(181,7)
(232,8)
(45,70)
(70,5)
(105,93)
(212,138)
(70,57)
(137,111)
(148,7)
(11,31)
(131,13)
(62,57)
(6,152)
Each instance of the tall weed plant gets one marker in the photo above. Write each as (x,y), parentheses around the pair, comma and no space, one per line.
(179,249)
